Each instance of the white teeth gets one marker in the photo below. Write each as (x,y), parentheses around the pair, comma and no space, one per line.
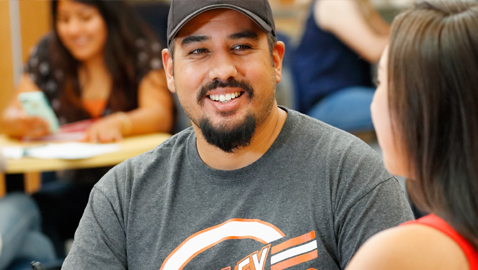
(225,98)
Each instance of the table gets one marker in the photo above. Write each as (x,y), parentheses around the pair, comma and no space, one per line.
(32,167)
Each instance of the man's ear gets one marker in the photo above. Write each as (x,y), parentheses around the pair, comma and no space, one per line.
(277,57)
(169,69)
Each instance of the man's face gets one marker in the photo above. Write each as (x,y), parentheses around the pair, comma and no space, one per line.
(223,71)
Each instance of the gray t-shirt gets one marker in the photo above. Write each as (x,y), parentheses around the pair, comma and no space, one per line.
(308,203)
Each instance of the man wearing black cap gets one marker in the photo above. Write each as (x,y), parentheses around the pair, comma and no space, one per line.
(251,185)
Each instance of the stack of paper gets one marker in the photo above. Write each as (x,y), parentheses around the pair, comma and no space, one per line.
(71,150)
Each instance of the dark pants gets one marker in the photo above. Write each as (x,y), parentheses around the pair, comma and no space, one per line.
(14,182)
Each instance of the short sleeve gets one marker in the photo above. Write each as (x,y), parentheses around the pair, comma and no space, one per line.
(100,241)
(100,238)
(366,199)
(381,208)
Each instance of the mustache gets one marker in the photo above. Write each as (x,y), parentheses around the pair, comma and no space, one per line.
(217,83)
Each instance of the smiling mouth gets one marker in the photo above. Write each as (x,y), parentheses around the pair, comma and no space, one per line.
(79,41)
(225,98)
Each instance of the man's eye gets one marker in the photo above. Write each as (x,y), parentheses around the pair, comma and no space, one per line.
(198,51)
(241,47)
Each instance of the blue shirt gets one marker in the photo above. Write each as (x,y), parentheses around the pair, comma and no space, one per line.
(323,64)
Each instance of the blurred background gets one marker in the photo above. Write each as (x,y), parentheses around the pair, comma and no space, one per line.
(24,22)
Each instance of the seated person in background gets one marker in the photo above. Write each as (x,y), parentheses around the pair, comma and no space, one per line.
(331,64)
(250,183)
(100,62)
(20,238)
(425,113)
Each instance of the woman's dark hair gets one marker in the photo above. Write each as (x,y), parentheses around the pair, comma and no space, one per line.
(433,97)
(125,32)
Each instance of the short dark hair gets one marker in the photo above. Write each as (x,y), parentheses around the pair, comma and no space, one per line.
(433,97)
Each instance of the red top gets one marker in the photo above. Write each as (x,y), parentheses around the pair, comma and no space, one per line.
(439,224)
(95,107)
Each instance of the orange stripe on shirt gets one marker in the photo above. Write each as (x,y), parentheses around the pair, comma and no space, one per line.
(293,242)
(294,261)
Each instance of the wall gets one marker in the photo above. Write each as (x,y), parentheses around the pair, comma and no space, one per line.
(6,63)
(34,23)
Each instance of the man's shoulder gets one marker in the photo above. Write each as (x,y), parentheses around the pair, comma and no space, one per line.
(158,159)
(330,148)
(313,131)
(169,149)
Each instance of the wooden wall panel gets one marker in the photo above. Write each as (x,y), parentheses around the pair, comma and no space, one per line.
(35,22)
(6,63)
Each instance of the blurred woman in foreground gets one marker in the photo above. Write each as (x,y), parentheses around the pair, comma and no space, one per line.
(425,112)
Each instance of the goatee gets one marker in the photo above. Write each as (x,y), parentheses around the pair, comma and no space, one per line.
(229,140)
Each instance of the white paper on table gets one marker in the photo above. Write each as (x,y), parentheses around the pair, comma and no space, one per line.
(12,152)
(70,150)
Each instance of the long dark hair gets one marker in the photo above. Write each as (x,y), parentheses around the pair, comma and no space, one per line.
(433,96)
(125,31)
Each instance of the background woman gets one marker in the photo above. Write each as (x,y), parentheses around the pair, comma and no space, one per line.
(425,112)
(100,62)
(331,65)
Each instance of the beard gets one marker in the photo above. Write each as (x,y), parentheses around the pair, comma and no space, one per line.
(230,136)
(226,139)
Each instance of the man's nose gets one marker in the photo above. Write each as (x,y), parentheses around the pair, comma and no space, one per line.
(223,67)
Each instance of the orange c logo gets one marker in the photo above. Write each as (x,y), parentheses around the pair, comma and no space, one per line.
(232,229)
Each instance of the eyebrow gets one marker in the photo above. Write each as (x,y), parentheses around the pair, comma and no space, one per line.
(248,34)
(192,39)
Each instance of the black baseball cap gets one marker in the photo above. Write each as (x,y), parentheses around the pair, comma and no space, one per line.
(182,11)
